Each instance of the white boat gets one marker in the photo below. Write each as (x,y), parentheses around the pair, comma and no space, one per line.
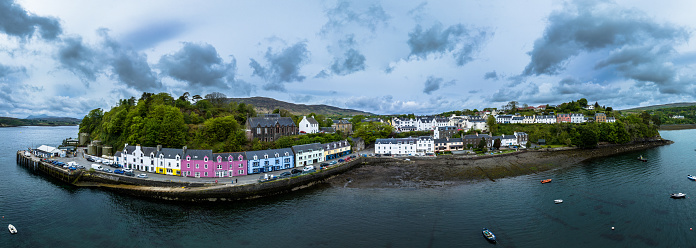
(13,230)
(690,177)
(678,195)
(558,201)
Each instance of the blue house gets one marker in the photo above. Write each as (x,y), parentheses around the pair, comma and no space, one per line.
(270,160)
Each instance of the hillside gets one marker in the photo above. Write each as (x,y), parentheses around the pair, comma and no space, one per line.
(661,106)
(54,121)
(267,105)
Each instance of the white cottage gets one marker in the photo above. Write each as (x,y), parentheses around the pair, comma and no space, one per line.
(309,125)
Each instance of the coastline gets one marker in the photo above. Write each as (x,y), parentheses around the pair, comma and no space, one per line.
(364,172)
(677,127)
(460,169)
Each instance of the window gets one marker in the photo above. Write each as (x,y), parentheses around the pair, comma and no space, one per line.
(256,164)
(205,159)
(241,166)
(240,172)
(265,162)
(206,174)
(230,173)
(219,167)
(258,130)
(188,165)
(255,170)
(205,166)
(196,166)
(219,159)
(177,165)
(188,158)
(277,161)
(198,174)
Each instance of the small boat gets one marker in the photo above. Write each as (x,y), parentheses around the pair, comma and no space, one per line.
(546,181)
(642,159)
(678,195)
(13,230)
(690,177)
(558,201)
(488,235)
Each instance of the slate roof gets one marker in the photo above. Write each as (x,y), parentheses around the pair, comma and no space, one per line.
(307,147)
(341,122)
(226,155)
(507,136)
(170,153)
(327,129)
(198,154)
(118,154)
(271,153)
(147,150)
(395,140)
(129,149)
(338,144)
(312,120)
(271,121)
(446,128)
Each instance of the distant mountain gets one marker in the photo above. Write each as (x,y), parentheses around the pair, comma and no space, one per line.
(39,121)
(661,106)
(267,105)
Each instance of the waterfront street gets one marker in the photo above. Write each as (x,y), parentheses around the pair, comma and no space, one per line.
(237,180)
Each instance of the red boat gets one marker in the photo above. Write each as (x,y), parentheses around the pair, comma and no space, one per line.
(546,181)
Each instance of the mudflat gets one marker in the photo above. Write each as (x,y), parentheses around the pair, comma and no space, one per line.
(450,170)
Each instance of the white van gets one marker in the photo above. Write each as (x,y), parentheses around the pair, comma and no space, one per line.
(97,167)
(308,168)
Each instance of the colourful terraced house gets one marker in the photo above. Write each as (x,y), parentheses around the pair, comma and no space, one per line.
(197,163)
(230,164)
(336,149)
(169,161)
(269,160)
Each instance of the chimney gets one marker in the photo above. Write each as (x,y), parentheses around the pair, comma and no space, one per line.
(159,148)
(184,149)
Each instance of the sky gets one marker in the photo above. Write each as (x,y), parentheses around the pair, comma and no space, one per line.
(65,58)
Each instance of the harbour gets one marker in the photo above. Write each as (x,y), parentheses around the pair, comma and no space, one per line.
(617,191)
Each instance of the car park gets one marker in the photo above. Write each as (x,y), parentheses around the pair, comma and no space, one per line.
(142,175)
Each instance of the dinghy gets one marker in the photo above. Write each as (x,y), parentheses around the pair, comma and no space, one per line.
(13,230)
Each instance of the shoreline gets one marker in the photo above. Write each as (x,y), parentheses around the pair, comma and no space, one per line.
(461,169)
(677,127)
(364,172)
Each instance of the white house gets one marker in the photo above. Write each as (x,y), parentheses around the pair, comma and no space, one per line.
(401,146)
(426,145)
(529,119)
(48,151)
(611,119)
(517,120)
(168,161)
(503,119)
(309,125)
(308,154)
(577,118)
(477,124)
(546,119)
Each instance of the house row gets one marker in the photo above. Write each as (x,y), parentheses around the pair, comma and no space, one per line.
(473,140)
(420,123)
(205,163)
(422,145)
(552,119)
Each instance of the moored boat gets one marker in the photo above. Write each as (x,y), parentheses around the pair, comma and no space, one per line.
(690,177)
(488,235)
(546,181)
(642,159)
(12,228)
(678,195)
(558,201)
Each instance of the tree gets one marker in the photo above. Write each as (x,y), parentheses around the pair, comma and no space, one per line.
(582,102)
(196,98)
(492,125)
(496,144)
(482,144)
(216,98)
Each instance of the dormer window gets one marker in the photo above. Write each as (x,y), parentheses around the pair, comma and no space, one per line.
(240,158)
(276,155)
(188,158)
(219,159)
(256,157)
(205,159)
(286,154)
(230,158)
(265,156)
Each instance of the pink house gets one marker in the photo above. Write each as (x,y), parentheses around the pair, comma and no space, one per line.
(230,164)
(197,163)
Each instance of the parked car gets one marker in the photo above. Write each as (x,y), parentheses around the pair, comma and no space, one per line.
(308,168)
(285,174)
(295,171)
(324,164)
(341,161)
(106,170)
(333,162)
(118,171)
(128,170)
(128,173)
(352,156)
(72,168)
(142,175)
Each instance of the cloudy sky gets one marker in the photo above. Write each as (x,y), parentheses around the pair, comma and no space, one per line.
(65,58)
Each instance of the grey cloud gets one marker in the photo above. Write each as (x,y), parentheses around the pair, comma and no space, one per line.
(16,21)
(460,41)
(152,34)
(388,105)
(301,98)
(565,90)
(433,84)
(350,62)
(129,66)
(491,75)
(587,28)
(199,65)
(80,59)
(343,15)
(418,12)
(282,67)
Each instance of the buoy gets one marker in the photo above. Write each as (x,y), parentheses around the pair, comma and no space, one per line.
(690,228)
(612,228)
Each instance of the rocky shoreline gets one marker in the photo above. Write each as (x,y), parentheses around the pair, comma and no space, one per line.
(451,170)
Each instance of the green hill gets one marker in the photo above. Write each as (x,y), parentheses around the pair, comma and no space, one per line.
(661,106)
(267,105)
